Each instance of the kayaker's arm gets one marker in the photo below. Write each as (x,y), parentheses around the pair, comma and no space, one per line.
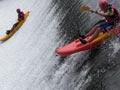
(105,14)
(110,12)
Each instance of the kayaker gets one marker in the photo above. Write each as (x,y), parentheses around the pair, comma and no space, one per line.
(111,15)
(20,17)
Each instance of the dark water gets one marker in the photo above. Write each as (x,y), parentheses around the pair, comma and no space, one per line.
(103,62)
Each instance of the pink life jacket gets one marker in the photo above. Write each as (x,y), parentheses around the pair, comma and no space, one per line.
(115,18)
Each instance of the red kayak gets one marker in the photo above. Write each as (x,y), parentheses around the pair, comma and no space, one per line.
(77,46)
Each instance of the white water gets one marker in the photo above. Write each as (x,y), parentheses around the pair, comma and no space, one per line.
(27,60)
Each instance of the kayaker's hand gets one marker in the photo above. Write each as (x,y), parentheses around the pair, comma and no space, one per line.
(94,11)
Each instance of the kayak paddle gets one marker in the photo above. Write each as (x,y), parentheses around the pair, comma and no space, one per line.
(85,8)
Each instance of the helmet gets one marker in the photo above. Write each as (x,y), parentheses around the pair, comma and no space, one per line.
(18,10)
(103,4)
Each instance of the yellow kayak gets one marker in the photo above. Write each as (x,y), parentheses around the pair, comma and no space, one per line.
(7,36)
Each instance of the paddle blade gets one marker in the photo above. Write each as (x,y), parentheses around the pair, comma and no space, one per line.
(85,8)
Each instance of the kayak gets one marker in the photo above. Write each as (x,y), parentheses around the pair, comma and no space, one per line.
(7,36)
(77,46)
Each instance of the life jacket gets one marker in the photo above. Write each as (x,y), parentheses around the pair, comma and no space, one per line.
(115,18)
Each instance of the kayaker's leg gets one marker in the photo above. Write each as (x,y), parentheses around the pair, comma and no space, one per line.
(14,25)
(91,31)
(95,35)
(94,32)
(8,31)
